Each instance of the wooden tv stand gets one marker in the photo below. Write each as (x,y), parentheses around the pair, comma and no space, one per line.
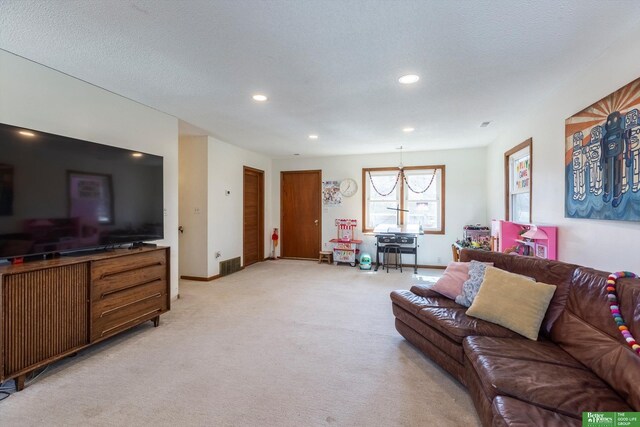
(51,309)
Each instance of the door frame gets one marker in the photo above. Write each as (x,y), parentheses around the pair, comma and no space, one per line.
(260,174)
(314,171)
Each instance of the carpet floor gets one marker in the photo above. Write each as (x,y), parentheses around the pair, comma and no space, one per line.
(281,343)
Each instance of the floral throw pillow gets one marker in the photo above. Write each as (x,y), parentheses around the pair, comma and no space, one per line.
(471,286)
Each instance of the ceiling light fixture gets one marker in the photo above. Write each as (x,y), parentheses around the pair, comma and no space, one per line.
(485,124)
(401,166)
(409,79)
(26,133)
(136,154)
(313,136)
(408,130)
(260,98)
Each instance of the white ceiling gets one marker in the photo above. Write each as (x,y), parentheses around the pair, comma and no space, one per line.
(329,67)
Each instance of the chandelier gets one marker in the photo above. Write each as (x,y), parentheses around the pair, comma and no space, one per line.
(402,175)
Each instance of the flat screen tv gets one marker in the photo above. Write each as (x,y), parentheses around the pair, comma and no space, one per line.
(60,195)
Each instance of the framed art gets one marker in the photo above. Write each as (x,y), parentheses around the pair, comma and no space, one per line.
(602,158)
(331,195)
(90,197)
(541,251)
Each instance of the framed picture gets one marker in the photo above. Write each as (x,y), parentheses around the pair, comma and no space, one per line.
(331,195)
(90,197)
(602,158)
(541,251)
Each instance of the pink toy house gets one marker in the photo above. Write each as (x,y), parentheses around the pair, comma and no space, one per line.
(526,239)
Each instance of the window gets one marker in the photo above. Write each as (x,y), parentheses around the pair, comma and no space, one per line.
(517,165)
(414,195)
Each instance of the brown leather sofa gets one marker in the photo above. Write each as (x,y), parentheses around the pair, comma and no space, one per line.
(580,362)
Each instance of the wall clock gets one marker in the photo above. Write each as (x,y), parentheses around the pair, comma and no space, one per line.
(348,187)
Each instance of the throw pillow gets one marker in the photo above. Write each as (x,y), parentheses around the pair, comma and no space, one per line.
(513,301)
(450,284)
(470,286)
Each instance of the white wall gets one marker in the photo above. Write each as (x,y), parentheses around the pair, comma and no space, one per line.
(465,194)
(193,211)
(226,163)
(606,245)
(40,98)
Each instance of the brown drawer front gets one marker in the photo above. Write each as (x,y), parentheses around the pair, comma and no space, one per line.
(117,283)
(112,321)
(118,300)
(103,269)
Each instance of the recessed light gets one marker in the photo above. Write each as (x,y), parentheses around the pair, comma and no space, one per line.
(409,79)
(137,154)
(26,133)
(313,136)
(485,124)
(408,130)
(296,154)
(260,98)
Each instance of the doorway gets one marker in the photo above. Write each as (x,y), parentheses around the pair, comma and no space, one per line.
(253,216)
(301,213)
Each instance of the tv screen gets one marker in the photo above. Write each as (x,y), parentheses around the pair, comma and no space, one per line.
(60,194)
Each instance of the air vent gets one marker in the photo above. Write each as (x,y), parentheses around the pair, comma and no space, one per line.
(485,124)
(229,266)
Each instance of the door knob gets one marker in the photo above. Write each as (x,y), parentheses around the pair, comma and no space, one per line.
(316,222)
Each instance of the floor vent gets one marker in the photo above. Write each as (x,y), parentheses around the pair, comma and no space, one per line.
(229,266)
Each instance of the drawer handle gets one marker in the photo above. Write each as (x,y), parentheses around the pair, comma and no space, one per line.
(106,331)
(104,313)
(135,285)
(138,267)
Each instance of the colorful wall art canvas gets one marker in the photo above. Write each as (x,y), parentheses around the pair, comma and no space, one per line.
(602,158)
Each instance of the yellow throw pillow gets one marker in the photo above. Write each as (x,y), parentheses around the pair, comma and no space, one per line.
(513,301)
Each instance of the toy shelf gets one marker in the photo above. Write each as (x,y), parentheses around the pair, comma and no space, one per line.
(527,239)
(345,246)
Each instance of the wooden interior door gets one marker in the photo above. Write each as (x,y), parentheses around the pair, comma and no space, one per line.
(253,216)
(301,213)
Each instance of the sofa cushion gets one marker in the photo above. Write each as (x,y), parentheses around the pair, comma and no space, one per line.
(587,331)
(539,373)
(455,324)
(513,301)
(445,345)
(516,413)
(425,291)
(542,270)
(414,303)
(434,351)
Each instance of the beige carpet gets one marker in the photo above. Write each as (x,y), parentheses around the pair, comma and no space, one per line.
(281,343)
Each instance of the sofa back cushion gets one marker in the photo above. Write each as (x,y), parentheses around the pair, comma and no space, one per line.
(586,330)
(542,270)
